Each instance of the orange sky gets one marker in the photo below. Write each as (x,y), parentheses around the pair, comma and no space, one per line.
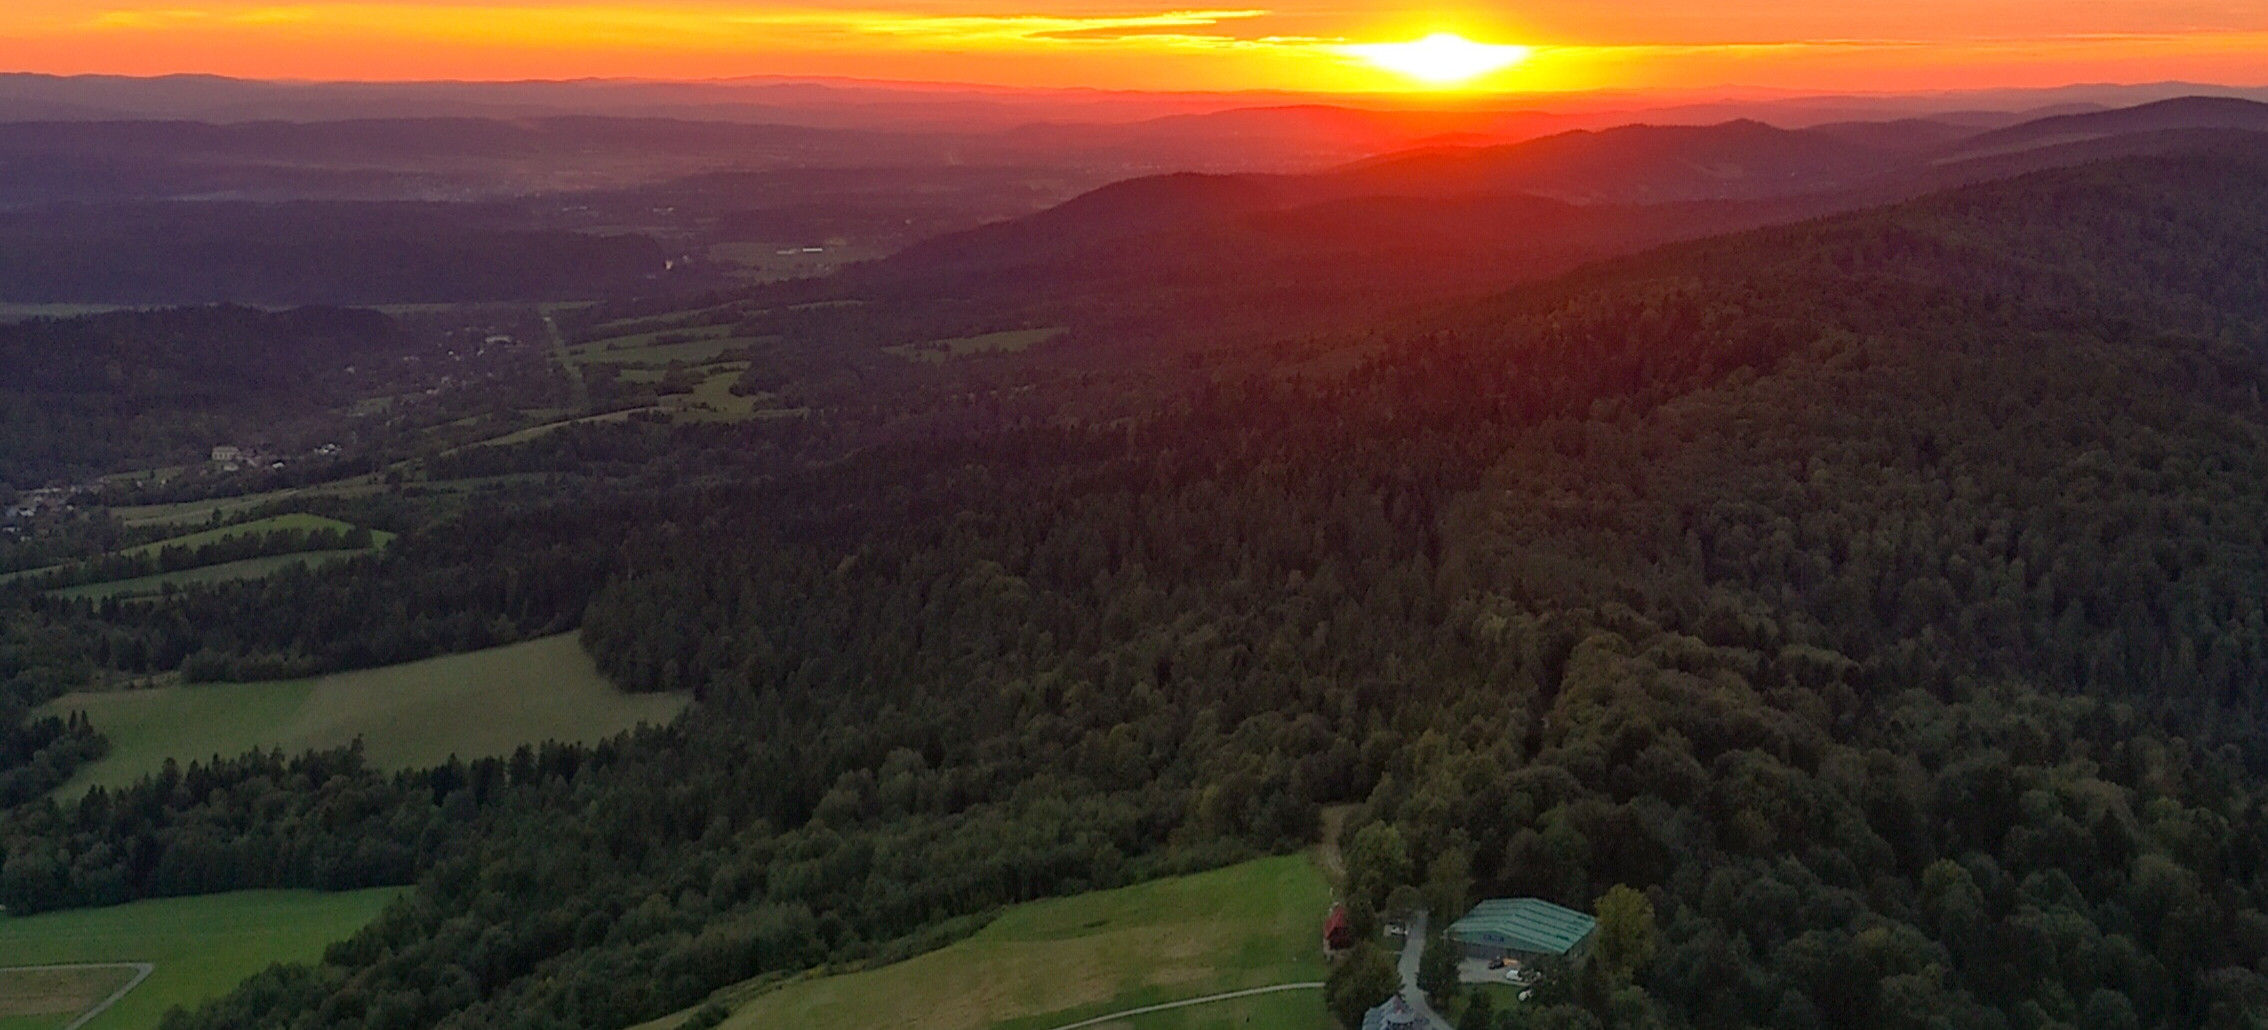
(1852,45)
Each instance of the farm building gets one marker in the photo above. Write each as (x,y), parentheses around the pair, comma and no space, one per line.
(1338,930)
(1520,928)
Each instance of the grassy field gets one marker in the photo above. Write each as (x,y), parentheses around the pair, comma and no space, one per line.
(470,705)
(763,262)
(1293,1010)
(257,527)
(190,513)
(249,568)
(533,432)
(711,401)
(714,401)
(1010,342)
(201,946)
(1053,962)
(710,344)
(49,997)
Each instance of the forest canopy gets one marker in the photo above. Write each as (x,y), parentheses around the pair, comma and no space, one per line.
(1876,602)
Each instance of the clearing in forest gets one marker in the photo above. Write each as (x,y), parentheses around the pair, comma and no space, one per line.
(1009,342)
(1054,962)
(418,714)
(225,572)
(693,346)
(296,521)
(300,521)
(201,947)
(50,996)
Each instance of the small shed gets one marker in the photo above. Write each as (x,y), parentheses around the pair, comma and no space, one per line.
(1520,928)
(1338,930)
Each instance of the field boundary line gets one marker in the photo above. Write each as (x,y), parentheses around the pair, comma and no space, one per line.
(142,971)
(1185,1003)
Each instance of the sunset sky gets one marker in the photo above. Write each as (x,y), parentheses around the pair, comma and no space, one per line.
(1855,45)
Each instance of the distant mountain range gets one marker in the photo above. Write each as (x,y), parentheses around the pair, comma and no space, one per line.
(1825,167)
(1445,220)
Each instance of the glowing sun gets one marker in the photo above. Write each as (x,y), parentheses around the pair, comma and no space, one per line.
(1442,59)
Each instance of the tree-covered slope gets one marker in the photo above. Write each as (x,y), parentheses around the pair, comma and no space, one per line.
(1881,596)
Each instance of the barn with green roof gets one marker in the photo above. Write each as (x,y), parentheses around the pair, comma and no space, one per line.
(1520,928)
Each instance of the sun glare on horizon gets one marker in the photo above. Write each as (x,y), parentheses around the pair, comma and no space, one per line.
(1441,59)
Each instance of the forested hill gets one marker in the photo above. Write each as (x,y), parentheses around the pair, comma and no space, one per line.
(1881,596)
(95,394)
(1291,255)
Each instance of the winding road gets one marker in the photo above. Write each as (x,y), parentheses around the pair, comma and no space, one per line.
(1413,953)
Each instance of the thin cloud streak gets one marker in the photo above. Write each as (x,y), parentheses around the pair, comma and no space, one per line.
(1294,48)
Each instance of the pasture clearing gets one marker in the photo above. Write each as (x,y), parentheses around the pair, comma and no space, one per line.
(1053,962)
(225,572)
(1009,342)
(251,568)
(533,432)
(300,521)
(707,350)
(777,262)
(201,946)
(1288,1010)
(190,513)
(714,401)
(50,996)
(655,375)
(135,476)
(409,716)
(684,319)
(649,338)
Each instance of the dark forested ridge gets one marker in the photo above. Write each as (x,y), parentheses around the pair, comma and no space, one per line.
(308,253)
(1880,596)
(164,387)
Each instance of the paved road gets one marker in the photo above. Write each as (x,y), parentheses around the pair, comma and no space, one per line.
(1147,1009)
(1413,950)
(142,971)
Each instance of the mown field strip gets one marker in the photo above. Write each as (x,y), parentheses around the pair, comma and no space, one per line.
(417,714)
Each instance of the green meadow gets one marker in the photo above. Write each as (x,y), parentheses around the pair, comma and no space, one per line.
(191,513)
(47,997)
(418,714)
(534,432)
(219,572)
(1009,342)
(710,344)
(201,946)
(249,568)
(300,521)
(1058,961)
